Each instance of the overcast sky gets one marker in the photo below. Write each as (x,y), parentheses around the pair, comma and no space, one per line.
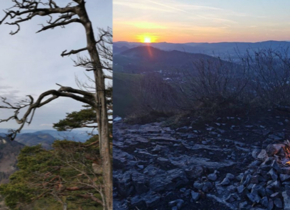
(181,21)
(30,63)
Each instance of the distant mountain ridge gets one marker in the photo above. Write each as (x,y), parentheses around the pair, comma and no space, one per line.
(32,139)
(149,53)
(219,49)
(46,137)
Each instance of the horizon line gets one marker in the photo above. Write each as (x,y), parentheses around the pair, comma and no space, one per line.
(205,42)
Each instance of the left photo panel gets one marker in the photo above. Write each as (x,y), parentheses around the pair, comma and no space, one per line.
(56,104)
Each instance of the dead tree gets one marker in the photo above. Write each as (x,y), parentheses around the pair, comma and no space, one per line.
(97,63)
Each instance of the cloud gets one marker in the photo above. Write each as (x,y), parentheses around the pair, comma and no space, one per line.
(140,6)
(184,7)
(5,87)
(147,25)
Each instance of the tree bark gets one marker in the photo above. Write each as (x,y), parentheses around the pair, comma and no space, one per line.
(101,109)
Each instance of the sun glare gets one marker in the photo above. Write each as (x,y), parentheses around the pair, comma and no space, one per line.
(147,40)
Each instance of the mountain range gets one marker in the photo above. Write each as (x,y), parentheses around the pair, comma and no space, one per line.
(222,49)
(46,137)
(143,59)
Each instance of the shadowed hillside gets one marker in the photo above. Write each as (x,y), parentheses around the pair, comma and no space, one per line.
(148,59)
(9,151)
(124,96)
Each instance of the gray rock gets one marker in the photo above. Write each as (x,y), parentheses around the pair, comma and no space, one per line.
(264,201)
(254,179)
(231,188)
(250,186)
(283,170)
(225,182)
(274,185)
(254,197)
(207,186)
(198,185)
(262,155)
(278,203)
(270,204)
(269,192)
(192,136)
(220,190)
(240,188)
(242,205)
(255,153)
(272,174)
(152,200)
(273,149)
(164,181)
(194,195)
(284,177)
(276,137)
(240,176)
(276,166)
(212,177)
(247,180)
(177,204)
(286,198)
(163,162)
(138,202)
(231,198)
(140,182)
(194,172)
(274,195)
(230,176)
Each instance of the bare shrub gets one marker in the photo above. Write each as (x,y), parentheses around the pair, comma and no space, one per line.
(270,76)
(154,98)
(214,84)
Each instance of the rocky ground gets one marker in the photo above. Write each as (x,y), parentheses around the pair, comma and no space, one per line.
(224,164)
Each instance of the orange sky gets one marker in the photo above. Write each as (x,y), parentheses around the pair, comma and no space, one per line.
(181,21)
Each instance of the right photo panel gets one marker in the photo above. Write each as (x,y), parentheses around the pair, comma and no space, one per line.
(201,105)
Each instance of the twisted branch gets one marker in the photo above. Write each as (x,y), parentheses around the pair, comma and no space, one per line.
(76,94)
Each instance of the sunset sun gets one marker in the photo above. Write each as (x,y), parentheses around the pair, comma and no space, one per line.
(147,40)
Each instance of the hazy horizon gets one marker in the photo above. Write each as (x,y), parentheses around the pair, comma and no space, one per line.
(207,42)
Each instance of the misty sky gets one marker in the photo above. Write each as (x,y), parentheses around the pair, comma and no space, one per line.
(30,62)
(181,21)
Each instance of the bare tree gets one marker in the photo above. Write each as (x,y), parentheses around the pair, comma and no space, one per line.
(98,62)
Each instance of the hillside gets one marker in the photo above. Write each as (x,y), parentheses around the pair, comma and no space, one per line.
(124,96)
(147,59)
(32,139)
(9,151)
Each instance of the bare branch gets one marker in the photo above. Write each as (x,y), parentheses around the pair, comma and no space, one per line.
(63,23)
(79,95)
(64,53)
(26,10)
(108,77)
